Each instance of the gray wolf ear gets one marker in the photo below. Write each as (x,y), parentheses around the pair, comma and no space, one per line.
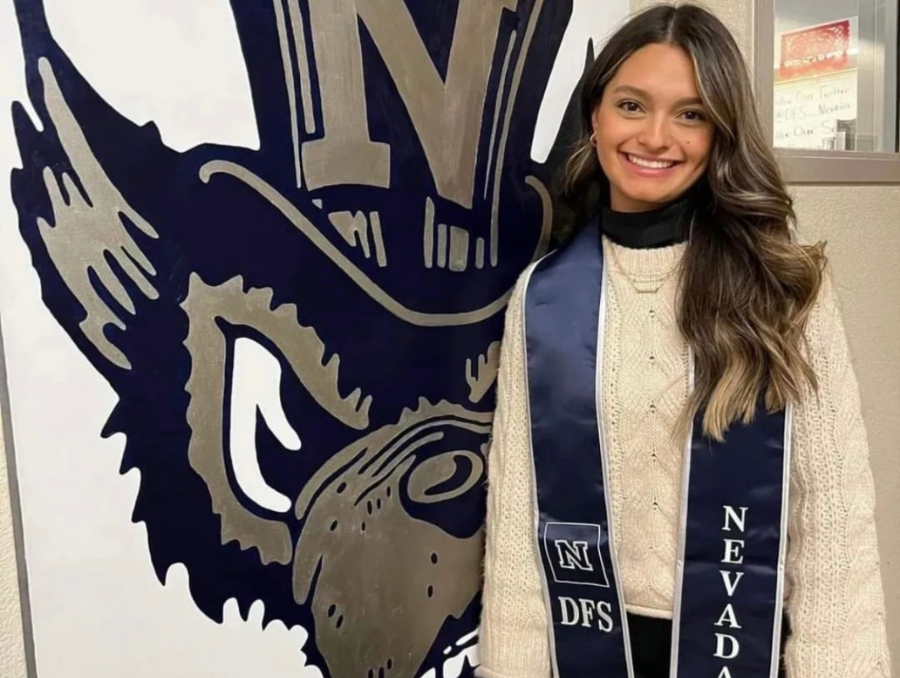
(87,233)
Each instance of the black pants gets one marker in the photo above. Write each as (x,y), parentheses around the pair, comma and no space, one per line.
(651,649)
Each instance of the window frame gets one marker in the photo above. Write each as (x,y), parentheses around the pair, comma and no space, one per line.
(802,166)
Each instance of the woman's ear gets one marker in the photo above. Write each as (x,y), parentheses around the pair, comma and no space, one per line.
(595,119)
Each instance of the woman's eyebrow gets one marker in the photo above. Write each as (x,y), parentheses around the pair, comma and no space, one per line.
(643,94)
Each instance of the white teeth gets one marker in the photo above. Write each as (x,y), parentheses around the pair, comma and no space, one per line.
(453,666)
(650,164)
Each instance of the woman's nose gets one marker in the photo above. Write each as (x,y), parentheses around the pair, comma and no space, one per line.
(655,134)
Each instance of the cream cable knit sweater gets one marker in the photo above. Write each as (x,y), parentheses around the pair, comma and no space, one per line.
(834,590)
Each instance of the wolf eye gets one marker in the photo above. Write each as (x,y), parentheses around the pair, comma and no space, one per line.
(256,387)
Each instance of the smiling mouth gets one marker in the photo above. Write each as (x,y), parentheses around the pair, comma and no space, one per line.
(652,165)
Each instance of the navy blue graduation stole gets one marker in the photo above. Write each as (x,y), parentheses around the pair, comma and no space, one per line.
(730,570)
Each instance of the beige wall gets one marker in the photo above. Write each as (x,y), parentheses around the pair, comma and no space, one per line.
(862,226)
(12,651)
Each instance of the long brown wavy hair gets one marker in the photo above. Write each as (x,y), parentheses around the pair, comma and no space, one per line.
(746,286)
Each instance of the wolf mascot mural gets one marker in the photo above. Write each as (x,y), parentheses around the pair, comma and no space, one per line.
(304,337)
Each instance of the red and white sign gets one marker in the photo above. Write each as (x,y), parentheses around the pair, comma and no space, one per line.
(815,95)
(816,50)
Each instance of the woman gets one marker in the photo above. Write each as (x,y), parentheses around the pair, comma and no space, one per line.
(675,389)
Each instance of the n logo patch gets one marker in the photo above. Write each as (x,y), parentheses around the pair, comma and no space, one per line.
(573,552)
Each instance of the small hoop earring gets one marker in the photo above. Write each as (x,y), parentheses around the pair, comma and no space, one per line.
(593,139)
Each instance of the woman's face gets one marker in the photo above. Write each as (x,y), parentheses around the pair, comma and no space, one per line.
(652,135)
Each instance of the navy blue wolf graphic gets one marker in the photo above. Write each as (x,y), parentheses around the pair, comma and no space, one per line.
(304,337)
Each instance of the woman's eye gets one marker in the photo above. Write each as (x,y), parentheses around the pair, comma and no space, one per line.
(630,106)
(694,116)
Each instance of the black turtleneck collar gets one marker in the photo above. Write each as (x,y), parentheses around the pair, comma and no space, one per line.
(667,225)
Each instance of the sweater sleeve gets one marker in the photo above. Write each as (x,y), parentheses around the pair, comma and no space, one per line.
(514,637)
(836,602)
